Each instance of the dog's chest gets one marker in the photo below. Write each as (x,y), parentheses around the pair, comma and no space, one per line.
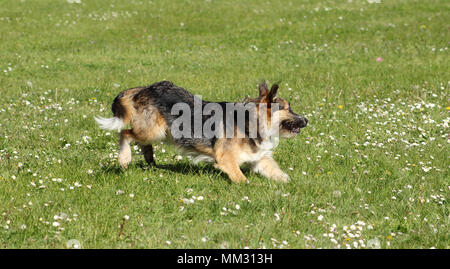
(264,150)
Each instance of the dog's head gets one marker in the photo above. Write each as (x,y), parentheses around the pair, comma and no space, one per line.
(289,122)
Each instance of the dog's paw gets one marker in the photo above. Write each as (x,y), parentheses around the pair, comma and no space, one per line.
(240,180)
(282,177)
(124,161)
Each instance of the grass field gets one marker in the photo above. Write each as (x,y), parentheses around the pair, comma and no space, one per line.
(369,171)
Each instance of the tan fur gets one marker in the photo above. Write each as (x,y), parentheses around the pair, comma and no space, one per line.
(126,137)
(269,168)
(230,154)
(147,126)
(225,151)
(127,102)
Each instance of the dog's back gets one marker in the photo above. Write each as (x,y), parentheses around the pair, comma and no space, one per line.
(144,106)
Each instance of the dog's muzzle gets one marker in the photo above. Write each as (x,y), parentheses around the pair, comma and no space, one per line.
(296,124)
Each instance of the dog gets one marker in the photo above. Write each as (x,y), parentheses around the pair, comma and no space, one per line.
(149,112)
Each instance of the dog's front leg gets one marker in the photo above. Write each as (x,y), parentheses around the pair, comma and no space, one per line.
(228,164)
(269,168)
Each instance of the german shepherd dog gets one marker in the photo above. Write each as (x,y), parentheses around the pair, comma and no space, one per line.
(148,110)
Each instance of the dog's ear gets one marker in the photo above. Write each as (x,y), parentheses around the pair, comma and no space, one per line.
(263,90)
(273,92)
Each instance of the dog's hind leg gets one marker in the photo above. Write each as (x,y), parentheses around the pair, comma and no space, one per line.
(126,137)
(148,154)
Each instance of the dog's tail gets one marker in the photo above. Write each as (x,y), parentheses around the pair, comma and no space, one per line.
(122,109)
(113,123)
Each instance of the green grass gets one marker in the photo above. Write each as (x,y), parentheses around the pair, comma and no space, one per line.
(374,155)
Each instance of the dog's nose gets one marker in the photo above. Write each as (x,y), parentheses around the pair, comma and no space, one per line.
(304,122)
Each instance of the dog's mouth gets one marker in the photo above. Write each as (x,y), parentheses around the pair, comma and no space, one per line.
(291,127)
(294,126)
(295,130)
